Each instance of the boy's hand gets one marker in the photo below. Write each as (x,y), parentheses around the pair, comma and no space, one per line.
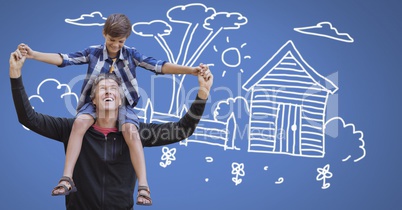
(25,50)
(199,70)
(196,70)
(203,69)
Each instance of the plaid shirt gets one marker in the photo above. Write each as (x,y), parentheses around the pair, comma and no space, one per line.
(99,62)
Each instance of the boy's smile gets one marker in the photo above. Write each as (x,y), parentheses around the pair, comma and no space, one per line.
(114,44)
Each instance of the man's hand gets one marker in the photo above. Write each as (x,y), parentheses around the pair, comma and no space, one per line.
(205,80)
(16,63)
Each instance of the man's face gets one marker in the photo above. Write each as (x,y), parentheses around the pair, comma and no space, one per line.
(114,44)
(107,96)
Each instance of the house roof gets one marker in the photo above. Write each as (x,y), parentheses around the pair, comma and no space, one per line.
(269,66)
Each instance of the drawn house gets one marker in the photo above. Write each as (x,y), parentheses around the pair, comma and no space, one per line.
(288,106)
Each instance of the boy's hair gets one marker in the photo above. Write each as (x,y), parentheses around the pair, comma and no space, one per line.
(117,25)
(104,76)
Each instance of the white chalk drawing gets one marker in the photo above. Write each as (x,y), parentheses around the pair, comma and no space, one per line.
(208,160)
(222,130)
(324,174)
(230,102)
(288,97)
(197,17)
(215,133)
(360,133)
(167,156)
(231,50)
(59,86)
(280,180)
(325,29)
(94,19)
(287,107)
(286,100)
(237,170)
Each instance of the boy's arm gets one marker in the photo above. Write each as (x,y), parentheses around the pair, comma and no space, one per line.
(50,58)
(163,67)
(171,68)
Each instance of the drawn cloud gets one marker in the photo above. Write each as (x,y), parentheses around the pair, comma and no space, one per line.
(94,19)
(190,13)
(325,29)
(225,20)
(67,92)
(149,29)
(350,148)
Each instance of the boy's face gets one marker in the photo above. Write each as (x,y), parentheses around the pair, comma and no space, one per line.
(114,44)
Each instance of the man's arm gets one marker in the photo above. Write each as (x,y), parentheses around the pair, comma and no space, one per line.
(152,134)
(48,126)
(172,132)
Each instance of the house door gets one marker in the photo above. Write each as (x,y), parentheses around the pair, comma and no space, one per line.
(288,129)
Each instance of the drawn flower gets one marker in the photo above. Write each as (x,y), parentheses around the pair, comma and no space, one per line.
(238,169)
(323,174)
(167,156)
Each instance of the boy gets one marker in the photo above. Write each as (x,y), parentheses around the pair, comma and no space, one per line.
(113,57)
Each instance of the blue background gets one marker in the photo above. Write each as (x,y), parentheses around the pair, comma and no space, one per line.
(368,73)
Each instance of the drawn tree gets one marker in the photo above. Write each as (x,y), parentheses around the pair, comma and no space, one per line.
(194,16)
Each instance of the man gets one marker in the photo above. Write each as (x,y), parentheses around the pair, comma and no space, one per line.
(104,175)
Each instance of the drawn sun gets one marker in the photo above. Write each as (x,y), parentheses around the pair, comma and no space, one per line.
(232,57)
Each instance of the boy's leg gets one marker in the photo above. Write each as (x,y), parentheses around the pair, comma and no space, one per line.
(80,126)
(137,156)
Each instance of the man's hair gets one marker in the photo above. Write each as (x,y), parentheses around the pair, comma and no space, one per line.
(117,25)
(104,76)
